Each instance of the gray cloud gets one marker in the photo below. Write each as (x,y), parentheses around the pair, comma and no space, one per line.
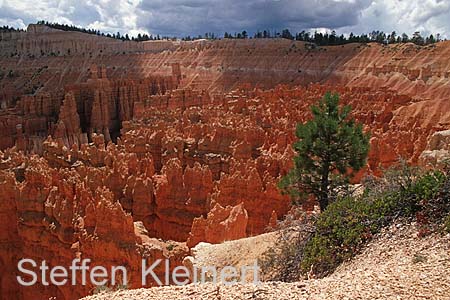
(199,16)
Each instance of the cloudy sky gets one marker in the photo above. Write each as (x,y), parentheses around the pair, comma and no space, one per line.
(193,17)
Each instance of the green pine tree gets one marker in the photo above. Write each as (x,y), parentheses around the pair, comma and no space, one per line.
(331,147)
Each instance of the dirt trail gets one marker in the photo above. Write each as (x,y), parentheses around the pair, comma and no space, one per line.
(396,265)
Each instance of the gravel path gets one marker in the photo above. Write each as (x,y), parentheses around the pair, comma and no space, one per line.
(397,265)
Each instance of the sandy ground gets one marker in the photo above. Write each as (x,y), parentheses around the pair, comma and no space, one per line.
(396,265)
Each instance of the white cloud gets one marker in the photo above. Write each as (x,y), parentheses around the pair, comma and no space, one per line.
(427,16)
(105,15)
(16,23)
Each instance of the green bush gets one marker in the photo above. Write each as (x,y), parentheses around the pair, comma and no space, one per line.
(349,223)
(340,230)
(438,208)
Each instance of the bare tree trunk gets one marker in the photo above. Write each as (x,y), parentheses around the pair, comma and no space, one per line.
(323,200)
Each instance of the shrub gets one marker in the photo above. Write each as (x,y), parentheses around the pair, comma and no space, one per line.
(349,223)
(438,206)
(437,209)
(99,289)
(282,262)
(419,258)
(341,231)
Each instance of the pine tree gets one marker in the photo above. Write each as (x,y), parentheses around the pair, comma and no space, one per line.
(405,38)
(430,40)
(286,34)
(417,38)
(331,147)
(351,38)
(392,37)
